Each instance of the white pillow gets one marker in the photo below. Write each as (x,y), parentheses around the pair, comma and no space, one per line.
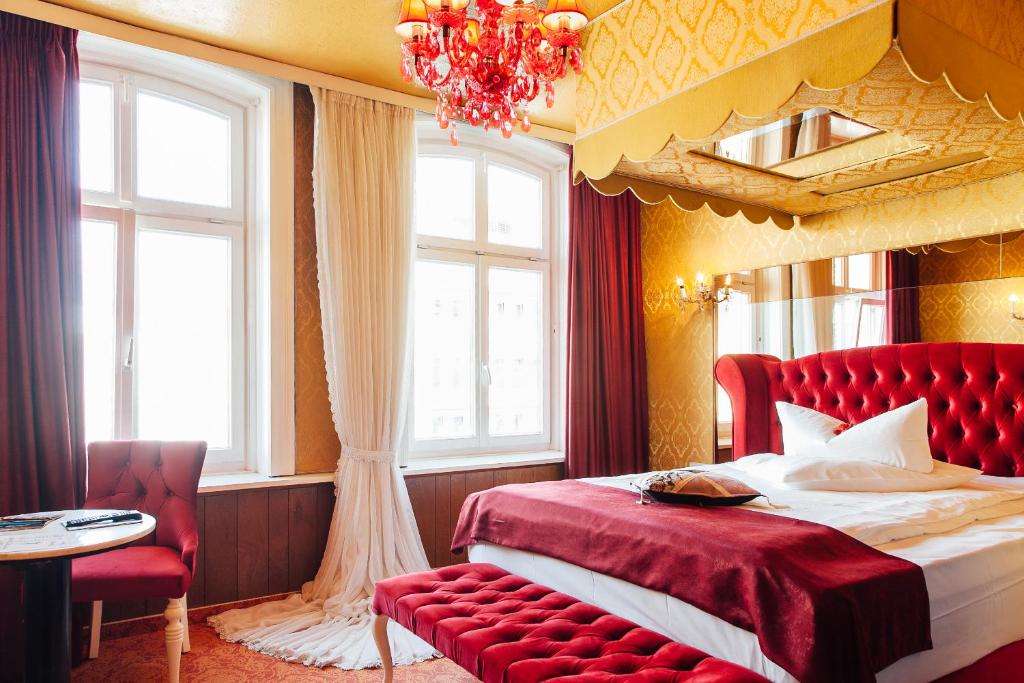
(811,473)
(898,438)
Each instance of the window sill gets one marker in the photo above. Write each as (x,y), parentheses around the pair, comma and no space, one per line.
(490,461)
(241,481)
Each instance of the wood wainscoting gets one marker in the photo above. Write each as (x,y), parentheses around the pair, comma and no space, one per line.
(259,542)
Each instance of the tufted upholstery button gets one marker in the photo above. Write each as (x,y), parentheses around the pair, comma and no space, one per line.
(549,636)
(979,387)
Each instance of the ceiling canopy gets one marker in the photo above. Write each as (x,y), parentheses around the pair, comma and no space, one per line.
(934,109)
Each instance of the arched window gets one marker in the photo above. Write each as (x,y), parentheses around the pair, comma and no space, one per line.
(174,197)
(486,327)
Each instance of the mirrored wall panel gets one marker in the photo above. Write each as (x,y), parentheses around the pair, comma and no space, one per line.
(967,290)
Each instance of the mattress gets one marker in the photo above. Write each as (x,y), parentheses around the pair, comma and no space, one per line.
(974,572)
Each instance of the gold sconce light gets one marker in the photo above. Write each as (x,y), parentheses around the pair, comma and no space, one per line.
(1014,301)
(702,294)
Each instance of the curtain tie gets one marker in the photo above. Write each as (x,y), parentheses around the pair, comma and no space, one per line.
(368,456)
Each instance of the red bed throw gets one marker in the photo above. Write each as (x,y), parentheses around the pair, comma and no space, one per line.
(825,607)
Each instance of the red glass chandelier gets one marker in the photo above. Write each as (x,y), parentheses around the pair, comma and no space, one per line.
(485,69)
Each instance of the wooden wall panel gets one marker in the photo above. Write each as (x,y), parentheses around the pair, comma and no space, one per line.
(253,544)
(221,557)
(269,541)
(277,542)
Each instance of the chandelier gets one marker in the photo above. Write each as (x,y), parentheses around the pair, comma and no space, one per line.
(486,69)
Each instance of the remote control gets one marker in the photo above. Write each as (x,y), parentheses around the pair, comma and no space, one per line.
(126,516)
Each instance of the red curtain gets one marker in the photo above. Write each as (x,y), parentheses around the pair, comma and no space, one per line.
(606,423)
(42,444)
(902,298)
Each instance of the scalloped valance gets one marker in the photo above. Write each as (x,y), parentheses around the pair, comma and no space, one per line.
(975,49)
(689,200)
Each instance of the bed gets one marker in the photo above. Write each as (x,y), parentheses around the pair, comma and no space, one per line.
(972,558)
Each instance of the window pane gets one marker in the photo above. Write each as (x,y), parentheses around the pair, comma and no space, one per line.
(445,351)
(184,152)
(99,304)
(445,189)
(861,267)
(96,142)
(515,351)
(735,335)
(183,347)
(515,208)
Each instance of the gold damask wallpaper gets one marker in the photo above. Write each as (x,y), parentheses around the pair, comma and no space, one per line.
(644,51)
(962,299)
(972,311)
(316,442)
(680,346)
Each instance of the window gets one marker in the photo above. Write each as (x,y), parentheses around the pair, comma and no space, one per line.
(858,310)
(485,326)
(174,231)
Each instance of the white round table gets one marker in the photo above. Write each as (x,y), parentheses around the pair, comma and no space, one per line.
(44,556)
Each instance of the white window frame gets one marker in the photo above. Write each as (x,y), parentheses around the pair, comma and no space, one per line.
(259,221)
(549,163)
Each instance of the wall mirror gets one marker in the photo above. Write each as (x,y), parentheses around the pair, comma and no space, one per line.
(965,290)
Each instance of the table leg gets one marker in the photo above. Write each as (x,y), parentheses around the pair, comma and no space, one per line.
(48,621)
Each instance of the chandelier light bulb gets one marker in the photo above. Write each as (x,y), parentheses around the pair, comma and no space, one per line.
(413,21)
(562,15)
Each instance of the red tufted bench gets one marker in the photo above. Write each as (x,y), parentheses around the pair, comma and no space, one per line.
(505,629)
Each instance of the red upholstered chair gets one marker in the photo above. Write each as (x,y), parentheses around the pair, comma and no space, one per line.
(160,479)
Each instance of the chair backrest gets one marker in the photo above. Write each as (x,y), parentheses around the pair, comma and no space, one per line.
(160,478)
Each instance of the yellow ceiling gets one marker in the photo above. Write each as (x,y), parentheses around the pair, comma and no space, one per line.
(349,38)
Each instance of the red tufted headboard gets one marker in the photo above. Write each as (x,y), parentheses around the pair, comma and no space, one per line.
(975,396)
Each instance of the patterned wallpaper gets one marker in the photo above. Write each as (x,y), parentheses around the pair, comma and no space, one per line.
(648,49)
(316,442)
(680,346)
(972,311)
(961,299)
(1002,37)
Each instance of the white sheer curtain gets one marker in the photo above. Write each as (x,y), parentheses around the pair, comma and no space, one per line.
(364,163)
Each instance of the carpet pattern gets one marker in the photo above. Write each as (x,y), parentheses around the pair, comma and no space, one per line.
(140,659)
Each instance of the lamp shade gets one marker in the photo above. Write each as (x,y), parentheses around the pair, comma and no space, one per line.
(412,19)
(565,14)
(447,4)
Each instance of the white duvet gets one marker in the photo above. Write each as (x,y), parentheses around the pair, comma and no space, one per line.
(872,518)
(968,540)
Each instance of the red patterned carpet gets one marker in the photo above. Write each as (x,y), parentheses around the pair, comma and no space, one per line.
(140,659)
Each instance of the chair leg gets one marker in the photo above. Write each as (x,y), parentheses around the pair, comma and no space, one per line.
(95,627)
(172,637)
(186,645)
(380,637)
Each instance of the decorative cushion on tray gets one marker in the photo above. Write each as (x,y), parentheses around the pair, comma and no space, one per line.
(695,487)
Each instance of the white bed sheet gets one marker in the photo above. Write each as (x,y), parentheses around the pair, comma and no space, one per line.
(974,574)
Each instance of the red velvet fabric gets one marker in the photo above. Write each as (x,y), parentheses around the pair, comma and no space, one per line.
(824,606)
(975,396)
(606,421)
(1001,666)
(136,572)
(42,443)
(504,629)
(160,479)
(902,298)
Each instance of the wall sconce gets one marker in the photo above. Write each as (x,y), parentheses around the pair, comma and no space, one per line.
(1014,315)
(702,295)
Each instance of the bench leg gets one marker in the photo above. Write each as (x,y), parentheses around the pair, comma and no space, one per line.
(380,636)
